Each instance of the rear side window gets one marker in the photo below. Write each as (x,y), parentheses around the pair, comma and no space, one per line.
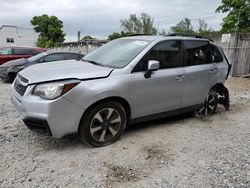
(216,54)
(20,51)
(72,56)
(197,53)
(168,53)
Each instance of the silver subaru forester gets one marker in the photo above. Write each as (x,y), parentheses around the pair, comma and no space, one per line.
(128,80)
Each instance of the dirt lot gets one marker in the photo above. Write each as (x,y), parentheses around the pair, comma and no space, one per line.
(176,152)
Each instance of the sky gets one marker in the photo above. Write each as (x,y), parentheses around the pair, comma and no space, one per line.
(100,18)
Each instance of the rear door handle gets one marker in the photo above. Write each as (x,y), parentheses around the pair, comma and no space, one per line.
(179,78)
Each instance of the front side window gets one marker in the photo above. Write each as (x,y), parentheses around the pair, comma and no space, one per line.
(54,57)
(197,53)
(117,53)
(37,57)
(168,53)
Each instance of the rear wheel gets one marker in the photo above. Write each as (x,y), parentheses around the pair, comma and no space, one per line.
(209,106)
(103,124)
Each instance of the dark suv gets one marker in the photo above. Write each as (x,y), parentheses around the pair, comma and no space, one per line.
(11,53)
(9,70)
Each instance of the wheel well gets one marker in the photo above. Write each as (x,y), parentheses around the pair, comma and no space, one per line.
(218,87)
(121,100)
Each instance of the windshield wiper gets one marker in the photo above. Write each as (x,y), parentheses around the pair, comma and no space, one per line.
(93,62)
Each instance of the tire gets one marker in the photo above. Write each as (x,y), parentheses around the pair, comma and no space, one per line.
(208,108)
(103,124)
(12,76)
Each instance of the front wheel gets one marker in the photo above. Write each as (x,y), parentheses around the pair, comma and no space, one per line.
(103,124)
(209,106)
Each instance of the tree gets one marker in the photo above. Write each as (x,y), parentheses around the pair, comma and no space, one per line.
(116,35)
(238,18)
(203,28)
(139,25)
(162,32)
(88,37)
(50,29)
(183,26)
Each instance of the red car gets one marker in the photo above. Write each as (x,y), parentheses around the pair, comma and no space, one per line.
(11,53)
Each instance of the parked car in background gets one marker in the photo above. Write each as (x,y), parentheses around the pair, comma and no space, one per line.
(11,53)
(128,80)
(9,70)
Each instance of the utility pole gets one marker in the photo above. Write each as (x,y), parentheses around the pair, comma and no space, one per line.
(79,35)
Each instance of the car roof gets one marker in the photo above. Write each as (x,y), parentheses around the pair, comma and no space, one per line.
(158,38)
(21,47)
(62,53)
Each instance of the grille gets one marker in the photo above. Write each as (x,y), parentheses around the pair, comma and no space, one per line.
(19,87)
(3,68)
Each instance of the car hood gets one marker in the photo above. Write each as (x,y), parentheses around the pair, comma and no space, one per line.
(61,70)
(16,62)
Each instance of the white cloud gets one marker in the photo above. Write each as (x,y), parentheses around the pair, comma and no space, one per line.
(102,17)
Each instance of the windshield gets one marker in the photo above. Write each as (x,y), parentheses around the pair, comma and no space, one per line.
(37,57)
(117,53)
(5,51)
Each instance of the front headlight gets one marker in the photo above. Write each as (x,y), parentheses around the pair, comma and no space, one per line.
(54,90)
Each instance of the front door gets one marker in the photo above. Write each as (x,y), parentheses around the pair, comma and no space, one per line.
(163,90)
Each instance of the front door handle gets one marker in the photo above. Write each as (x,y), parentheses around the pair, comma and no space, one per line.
(179,78)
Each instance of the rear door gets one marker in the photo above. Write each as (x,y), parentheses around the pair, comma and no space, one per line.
(200,72)
(222,66)
(163,90)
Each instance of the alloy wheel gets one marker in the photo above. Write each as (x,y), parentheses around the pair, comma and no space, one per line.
(209,106)
(105,124)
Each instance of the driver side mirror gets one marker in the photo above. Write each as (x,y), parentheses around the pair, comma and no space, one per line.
(152,66)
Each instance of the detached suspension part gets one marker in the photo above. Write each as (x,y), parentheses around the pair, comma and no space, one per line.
(223,95)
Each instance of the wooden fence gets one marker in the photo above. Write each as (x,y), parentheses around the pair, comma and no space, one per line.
(83,46)
(237,50)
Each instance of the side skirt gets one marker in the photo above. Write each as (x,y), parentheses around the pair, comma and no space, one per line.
(165,114)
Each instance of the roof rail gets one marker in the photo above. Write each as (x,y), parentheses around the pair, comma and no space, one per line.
(188,35)
(133,35)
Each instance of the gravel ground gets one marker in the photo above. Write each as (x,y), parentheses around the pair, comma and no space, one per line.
(176,152)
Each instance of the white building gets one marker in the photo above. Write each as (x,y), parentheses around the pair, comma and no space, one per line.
(17,36)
